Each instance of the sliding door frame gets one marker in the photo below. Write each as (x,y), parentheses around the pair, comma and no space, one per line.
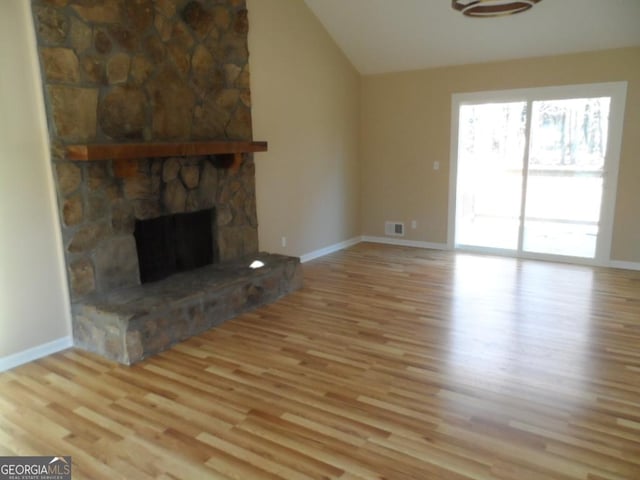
(616,91)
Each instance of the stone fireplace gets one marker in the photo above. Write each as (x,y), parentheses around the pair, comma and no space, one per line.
(153,72)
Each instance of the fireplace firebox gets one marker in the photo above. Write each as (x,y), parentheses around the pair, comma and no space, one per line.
(175,243)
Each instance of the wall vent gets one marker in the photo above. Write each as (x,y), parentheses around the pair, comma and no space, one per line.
(395,229)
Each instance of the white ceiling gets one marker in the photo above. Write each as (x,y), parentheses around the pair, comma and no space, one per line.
(392,35)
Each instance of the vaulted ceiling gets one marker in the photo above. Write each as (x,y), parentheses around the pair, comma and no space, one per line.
(393,35)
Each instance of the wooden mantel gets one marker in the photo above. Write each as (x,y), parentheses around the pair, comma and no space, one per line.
(121,153)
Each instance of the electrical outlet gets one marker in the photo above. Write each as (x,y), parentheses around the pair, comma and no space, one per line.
(414,224)
(436,165)
(284,242)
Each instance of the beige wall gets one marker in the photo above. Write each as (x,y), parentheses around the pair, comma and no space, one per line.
(405,127)
(306,105)
(33,300)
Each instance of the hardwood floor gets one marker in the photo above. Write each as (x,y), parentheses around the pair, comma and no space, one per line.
(392,363)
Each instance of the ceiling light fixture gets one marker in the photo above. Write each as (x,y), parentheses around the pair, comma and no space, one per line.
(492,8)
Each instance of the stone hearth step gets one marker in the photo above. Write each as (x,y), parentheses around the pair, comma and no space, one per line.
(131,324)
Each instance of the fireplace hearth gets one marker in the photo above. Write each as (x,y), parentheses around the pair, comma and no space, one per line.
(131,324)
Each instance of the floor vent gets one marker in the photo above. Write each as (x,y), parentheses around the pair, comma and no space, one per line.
(395,229)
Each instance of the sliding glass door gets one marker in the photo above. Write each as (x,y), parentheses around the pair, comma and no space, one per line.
(535,170)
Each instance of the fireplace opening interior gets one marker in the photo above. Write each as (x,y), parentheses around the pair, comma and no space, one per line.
(175,243)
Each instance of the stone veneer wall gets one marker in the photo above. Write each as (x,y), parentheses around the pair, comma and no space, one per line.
(144,70)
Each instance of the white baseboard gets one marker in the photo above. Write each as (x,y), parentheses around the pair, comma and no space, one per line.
(624,265)
(26,356)
(406,243)
(330,249)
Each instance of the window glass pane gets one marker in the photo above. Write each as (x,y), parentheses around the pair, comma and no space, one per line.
(564,190)
(490,159)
